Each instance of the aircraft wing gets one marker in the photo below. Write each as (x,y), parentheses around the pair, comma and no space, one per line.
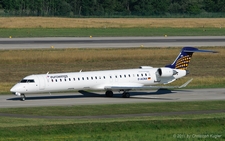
(145,87)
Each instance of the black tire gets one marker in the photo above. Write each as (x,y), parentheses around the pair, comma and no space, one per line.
(126,95)
(23,98)
(109,94)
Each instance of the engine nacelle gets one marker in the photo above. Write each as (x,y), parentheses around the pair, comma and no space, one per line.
(166,72)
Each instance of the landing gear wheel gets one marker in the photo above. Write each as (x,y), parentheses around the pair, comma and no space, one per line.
(126,95)
(23,97)
(109,94)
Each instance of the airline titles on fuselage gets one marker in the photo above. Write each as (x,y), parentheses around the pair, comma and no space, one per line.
(59,76)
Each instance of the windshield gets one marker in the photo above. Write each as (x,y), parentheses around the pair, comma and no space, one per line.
(27,81)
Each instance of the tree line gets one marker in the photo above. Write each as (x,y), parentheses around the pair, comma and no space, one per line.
(98,8)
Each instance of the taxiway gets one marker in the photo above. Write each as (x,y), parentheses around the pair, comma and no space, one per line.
(110,42)
(93,98)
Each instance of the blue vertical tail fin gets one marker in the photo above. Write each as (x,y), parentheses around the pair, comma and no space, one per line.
(183,59)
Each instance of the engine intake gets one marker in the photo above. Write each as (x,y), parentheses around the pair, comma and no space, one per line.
(166,72)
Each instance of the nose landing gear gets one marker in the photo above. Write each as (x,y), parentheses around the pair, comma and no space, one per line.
(22,97)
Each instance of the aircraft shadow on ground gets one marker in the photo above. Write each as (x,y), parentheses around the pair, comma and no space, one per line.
(96,94)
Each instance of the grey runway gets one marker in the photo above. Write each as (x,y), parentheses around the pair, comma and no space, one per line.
(93,98)
(113,42)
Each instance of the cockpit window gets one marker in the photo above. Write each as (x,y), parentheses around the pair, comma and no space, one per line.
(30,80)
(23,81)
(27,81)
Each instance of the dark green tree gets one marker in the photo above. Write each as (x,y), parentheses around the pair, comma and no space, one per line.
(209,5)
(64,8)
(110,7)
(143,8)
(160,6)
(193,8)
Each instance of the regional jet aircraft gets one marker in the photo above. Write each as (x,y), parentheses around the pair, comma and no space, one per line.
(144,77)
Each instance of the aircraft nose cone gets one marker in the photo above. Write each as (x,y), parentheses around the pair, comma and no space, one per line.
(16,90)
(13,89)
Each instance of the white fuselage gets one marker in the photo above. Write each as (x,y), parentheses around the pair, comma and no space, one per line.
(95,80)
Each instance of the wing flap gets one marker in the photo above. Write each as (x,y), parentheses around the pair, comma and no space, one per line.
(128,88)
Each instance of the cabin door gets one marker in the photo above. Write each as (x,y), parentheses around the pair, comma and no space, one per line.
(41,82)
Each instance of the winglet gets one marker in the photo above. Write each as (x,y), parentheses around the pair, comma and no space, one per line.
(185,84)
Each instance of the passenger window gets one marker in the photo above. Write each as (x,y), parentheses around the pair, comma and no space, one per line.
(60,80)
(78,78)
(129,75)
(137,75)
(55,80)
(69,79)
(124,75)
(120,76)
(74,79)
(104,77)
(92,78)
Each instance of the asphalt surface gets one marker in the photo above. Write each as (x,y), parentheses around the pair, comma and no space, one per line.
(90,98)
(93,98)
(113,42)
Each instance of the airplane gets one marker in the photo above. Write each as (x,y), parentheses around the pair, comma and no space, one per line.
(125,80)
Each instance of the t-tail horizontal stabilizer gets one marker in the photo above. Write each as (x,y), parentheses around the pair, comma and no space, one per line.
(184,58)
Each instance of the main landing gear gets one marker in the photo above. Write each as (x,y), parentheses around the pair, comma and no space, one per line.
(110,94)
(126,94)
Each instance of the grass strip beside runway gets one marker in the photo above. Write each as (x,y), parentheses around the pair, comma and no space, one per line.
(131,130)
(101,27)
(116,109)
(194,127)
(108,32)
(57,22)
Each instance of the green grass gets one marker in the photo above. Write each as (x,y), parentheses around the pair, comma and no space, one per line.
(105,32)
(91,110)
(166,128)
(173,127)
